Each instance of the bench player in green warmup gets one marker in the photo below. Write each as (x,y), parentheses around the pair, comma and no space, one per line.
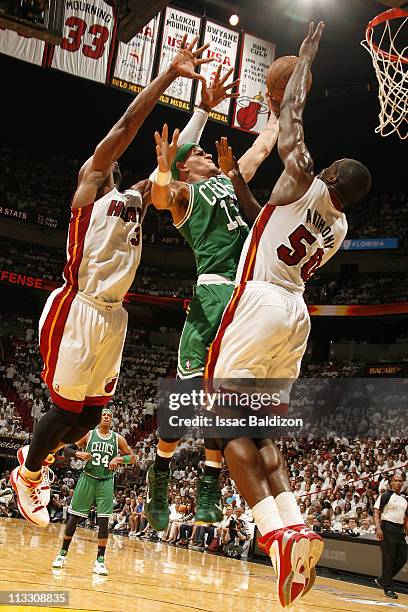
(206,212)
(96,484)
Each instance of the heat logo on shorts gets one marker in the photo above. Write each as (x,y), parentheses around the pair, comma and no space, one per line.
(110,384)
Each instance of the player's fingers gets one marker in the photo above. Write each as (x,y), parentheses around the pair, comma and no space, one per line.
(217,146)
(193,43)
(206,60)
(319,31)
(176,135)
(217,75)
(311,30)
(224,142)
(233,95)
(157,138)
(183,42)
(233,84)
(165,132)
(201,50)
(226,75)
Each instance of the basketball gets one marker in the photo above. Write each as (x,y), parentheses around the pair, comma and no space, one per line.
(279,73)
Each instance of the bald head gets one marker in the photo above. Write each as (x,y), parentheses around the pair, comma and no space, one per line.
(350,179)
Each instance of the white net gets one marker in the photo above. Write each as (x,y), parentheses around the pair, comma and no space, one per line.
(386,41)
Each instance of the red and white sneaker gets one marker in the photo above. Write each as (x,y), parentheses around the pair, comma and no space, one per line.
(316,549)
(289,552)
(46,473)
(29,501)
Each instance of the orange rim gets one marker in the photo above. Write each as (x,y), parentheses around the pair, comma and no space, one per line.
(396,13)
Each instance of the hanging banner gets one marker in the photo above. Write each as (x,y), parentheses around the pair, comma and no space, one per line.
(176,24)
(251,110)
(223,50)
(23,48)
(85,50)
(134,61)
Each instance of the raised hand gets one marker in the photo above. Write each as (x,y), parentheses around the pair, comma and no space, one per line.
(166,152)
(310,45)
(217,92)
(187,60)
(226,159)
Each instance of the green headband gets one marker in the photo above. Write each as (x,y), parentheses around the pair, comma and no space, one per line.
(107,410)
(181,155)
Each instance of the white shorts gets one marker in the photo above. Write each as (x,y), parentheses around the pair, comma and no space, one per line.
(81,343)
(263,334)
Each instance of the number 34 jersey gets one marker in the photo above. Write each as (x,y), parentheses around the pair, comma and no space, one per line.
(105,245)
(103,449)
(288,243)
(213,227)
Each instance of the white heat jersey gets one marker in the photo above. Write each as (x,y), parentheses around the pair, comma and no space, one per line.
(105,245)
(288,243)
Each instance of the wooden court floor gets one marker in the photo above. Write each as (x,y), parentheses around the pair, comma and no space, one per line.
(147,577)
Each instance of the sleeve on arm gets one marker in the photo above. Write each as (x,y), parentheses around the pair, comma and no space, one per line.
(194,128)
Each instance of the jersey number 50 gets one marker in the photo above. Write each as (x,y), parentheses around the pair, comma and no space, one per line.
(291,257)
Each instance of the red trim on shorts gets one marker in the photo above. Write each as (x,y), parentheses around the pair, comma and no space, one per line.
(66,404)
(247,274)
(226,320)
(54,324)
(101,400)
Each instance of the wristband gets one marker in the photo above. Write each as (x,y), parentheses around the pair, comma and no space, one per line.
(162,178)
(127,459)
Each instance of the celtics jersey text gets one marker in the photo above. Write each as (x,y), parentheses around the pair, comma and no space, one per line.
(103,450)
(213,226)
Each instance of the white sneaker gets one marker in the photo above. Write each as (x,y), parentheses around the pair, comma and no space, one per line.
(100,568)
(59,562)
(29,499)
(46,472)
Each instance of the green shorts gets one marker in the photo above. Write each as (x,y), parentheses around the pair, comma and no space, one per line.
(204,317)
(90,491)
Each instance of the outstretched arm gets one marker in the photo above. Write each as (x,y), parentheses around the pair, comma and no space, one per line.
(211,96)
(261,148)
(229,166)
(110,149)
(298,174)
(167,194)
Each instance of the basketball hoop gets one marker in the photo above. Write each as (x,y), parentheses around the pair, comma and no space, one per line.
(387,42)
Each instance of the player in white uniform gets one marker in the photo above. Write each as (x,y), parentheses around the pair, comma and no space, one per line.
(264,330)
(83,325)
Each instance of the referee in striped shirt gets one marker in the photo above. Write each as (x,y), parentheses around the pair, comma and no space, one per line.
(391,522)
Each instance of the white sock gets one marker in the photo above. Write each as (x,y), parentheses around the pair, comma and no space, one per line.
(213,464)
(165,454)
(266,515)
(288,509)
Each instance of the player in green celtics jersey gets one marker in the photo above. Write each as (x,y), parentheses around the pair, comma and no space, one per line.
(206,212)
(96,484)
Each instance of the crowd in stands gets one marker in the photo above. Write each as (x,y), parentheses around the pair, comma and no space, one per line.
(337,468)
(375,288)
(44,187)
